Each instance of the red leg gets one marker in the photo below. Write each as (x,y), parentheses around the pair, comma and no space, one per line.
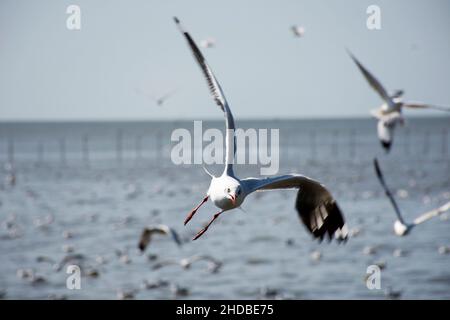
(191,214)
(201,232)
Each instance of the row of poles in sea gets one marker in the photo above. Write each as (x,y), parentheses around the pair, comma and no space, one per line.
(340,144)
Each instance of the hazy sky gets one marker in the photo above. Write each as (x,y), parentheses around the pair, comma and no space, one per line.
(49,72)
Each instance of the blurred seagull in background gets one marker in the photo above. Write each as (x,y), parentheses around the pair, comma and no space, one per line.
(390,112)
(208,43)
(317,208)
(148,232)
(186,263)
(401,228)
(159,100)
(298,31)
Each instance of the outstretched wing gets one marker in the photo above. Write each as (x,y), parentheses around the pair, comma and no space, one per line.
(219,97)
(145,238)
(387,191)
(315,205)
(422,105)
(175,236)
(166,96)
(165,263)
(199,257)
(373,82)
(164,229)
(147,233)
(433,213)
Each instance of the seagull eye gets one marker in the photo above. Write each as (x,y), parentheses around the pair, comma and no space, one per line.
(228,190)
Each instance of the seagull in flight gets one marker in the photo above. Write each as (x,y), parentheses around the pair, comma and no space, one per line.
(148,232)
(208,43)
(402,228)
(316,207)
(159,100)
(186,263)
(298,31)
(390,112)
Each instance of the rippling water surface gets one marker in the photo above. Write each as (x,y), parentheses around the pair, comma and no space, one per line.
(88,189)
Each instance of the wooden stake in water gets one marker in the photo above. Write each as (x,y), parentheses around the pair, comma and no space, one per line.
(426,143)
(444,143)
(312,139)
(334,144)
(40,153)
(352,142)
(85,149)
(407,141)
(119,143)
(159,147)
(138,147)
(62,151)
(11,151)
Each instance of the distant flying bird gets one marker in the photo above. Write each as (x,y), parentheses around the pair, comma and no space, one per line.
(390,112)
(392,294)
(148,232)
(298,31)
(10,179)
(159,100)
(402,228)
(208,43)
(186,263)
(77,259)
(317,208)
(123,256)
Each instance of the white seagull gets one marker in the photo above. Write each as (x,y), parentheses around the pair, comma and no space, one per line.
(317,208)
(148,232)
(298,31)
(213,264)
(208,43)
(402,228)
(390,112)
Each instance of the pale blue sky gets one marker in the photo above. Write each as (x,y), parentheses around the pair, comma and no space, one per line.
(51,73)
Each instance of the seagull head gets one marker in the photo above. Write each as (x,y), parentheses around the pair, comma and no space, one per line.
(234,194)
(228,192)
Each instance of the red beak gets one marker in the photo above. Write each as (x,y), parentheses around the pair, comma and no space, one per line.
(233,199)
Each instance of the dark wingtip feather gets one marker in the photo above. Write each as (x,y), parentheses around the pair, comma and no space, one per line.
(175,237)
(349,53)
(386,145)
(377,168)
(331,224)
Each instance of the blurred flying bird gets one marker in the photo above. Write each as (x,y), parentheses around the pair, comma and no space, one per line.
(392,294)
(316,255)
(402,228)
(77,259)
(149,285)
(178,291)
(390,112)
(148,232)
(123,294)
(158,99)
(317,208)
(208,43)
(123,256)
(369,250)
(444,249)
(298,31)
(186,263)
